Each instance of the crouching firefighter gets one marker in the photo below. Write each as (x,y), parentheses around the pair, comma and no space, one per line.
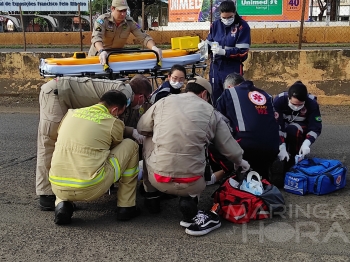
(90,155)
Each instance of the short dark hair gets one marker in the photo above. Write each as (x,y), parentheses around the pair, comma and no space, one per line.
(113,98)
(227,7)
(177,67)
(141,85)
(298,90)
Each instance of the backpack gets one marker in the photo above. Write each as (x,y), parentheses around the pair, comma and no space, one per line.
(315,176)
(240,207)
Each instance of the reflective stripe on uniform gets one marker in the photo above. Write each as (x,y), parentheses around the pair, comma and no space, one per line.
(76,183)
(131,171)
(116,167)
(242,45)
(238,109)
(292,118)
(298,126)
(313,134)
(157,91)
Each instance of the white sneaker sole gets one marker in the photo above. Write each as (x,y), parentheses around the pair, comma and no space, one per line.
(185,224)
(203,232)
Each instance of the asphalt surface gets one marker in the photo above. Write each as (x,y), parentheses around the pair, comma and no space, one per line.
(314,228)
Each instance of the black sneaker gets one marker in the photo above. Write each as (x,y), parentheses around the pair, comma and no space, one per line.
(63,213)
(204,222)
(47,202)
(277,173)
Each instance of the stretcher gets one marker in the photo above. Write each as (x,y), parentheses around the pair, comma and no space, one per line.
(121,63)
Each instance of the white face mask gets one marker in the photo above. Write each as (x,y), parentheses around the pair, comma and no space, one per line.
(228,21)
(176,85)
(294,107)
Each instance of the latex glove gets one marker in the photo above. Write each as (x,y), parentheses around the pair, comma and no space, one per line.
(217,50)
(212,180)
(283,154)
(159,51)
(305,148)
(103,57)
(244,165)
(201,44)
(139,138)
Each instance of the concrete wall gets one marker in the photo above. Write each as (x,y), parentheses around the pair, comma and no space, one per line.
(326,73)
(329,34)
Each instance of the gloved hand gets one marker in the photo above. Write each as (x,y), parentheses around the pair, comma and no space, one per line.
(103,57)
(139,138)
(244,164)
(217,50)
(159,51)
(201,44)
(283,154)
(305,148)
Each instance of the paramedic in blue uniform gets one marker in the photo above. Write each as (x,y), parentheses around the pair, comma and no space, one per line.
(252,120)
(111,30)
(300,121)
(232,34)
(176,79)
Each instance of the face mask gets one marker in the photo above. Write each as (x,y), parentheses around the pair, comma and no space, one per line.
(294,107)
(228,21)
(176,85)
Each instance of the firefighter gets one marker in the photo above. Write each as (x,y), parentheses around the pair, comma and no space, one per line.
(90,155)
(178,128)
(63,93)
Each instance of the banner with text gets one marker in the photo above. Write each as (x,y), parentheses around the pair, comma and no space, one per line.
(184,10)
(43,5)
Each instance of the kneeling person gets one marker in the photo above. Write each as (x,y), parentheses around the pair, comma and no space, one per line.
(90,155)
(182,126)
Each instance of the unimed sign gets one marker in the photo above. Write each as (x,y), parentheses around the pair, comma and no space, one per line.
(259,7)
(43,5)
(184,10)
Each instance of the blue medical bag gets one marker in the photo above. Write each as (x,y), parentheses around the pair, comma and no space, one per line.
(315,176)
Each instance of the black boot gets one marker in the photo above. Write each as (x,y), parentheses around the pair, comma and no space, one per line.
(64,213)
(152,202)
(189,209)
(277,173)
(47,202)
(127,213)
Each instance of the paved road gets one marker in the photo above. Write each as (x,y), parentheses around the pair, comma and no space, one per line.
(315,228)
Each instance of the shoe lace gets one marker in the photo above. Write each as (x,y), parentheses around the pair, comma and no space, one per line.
(200,218)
